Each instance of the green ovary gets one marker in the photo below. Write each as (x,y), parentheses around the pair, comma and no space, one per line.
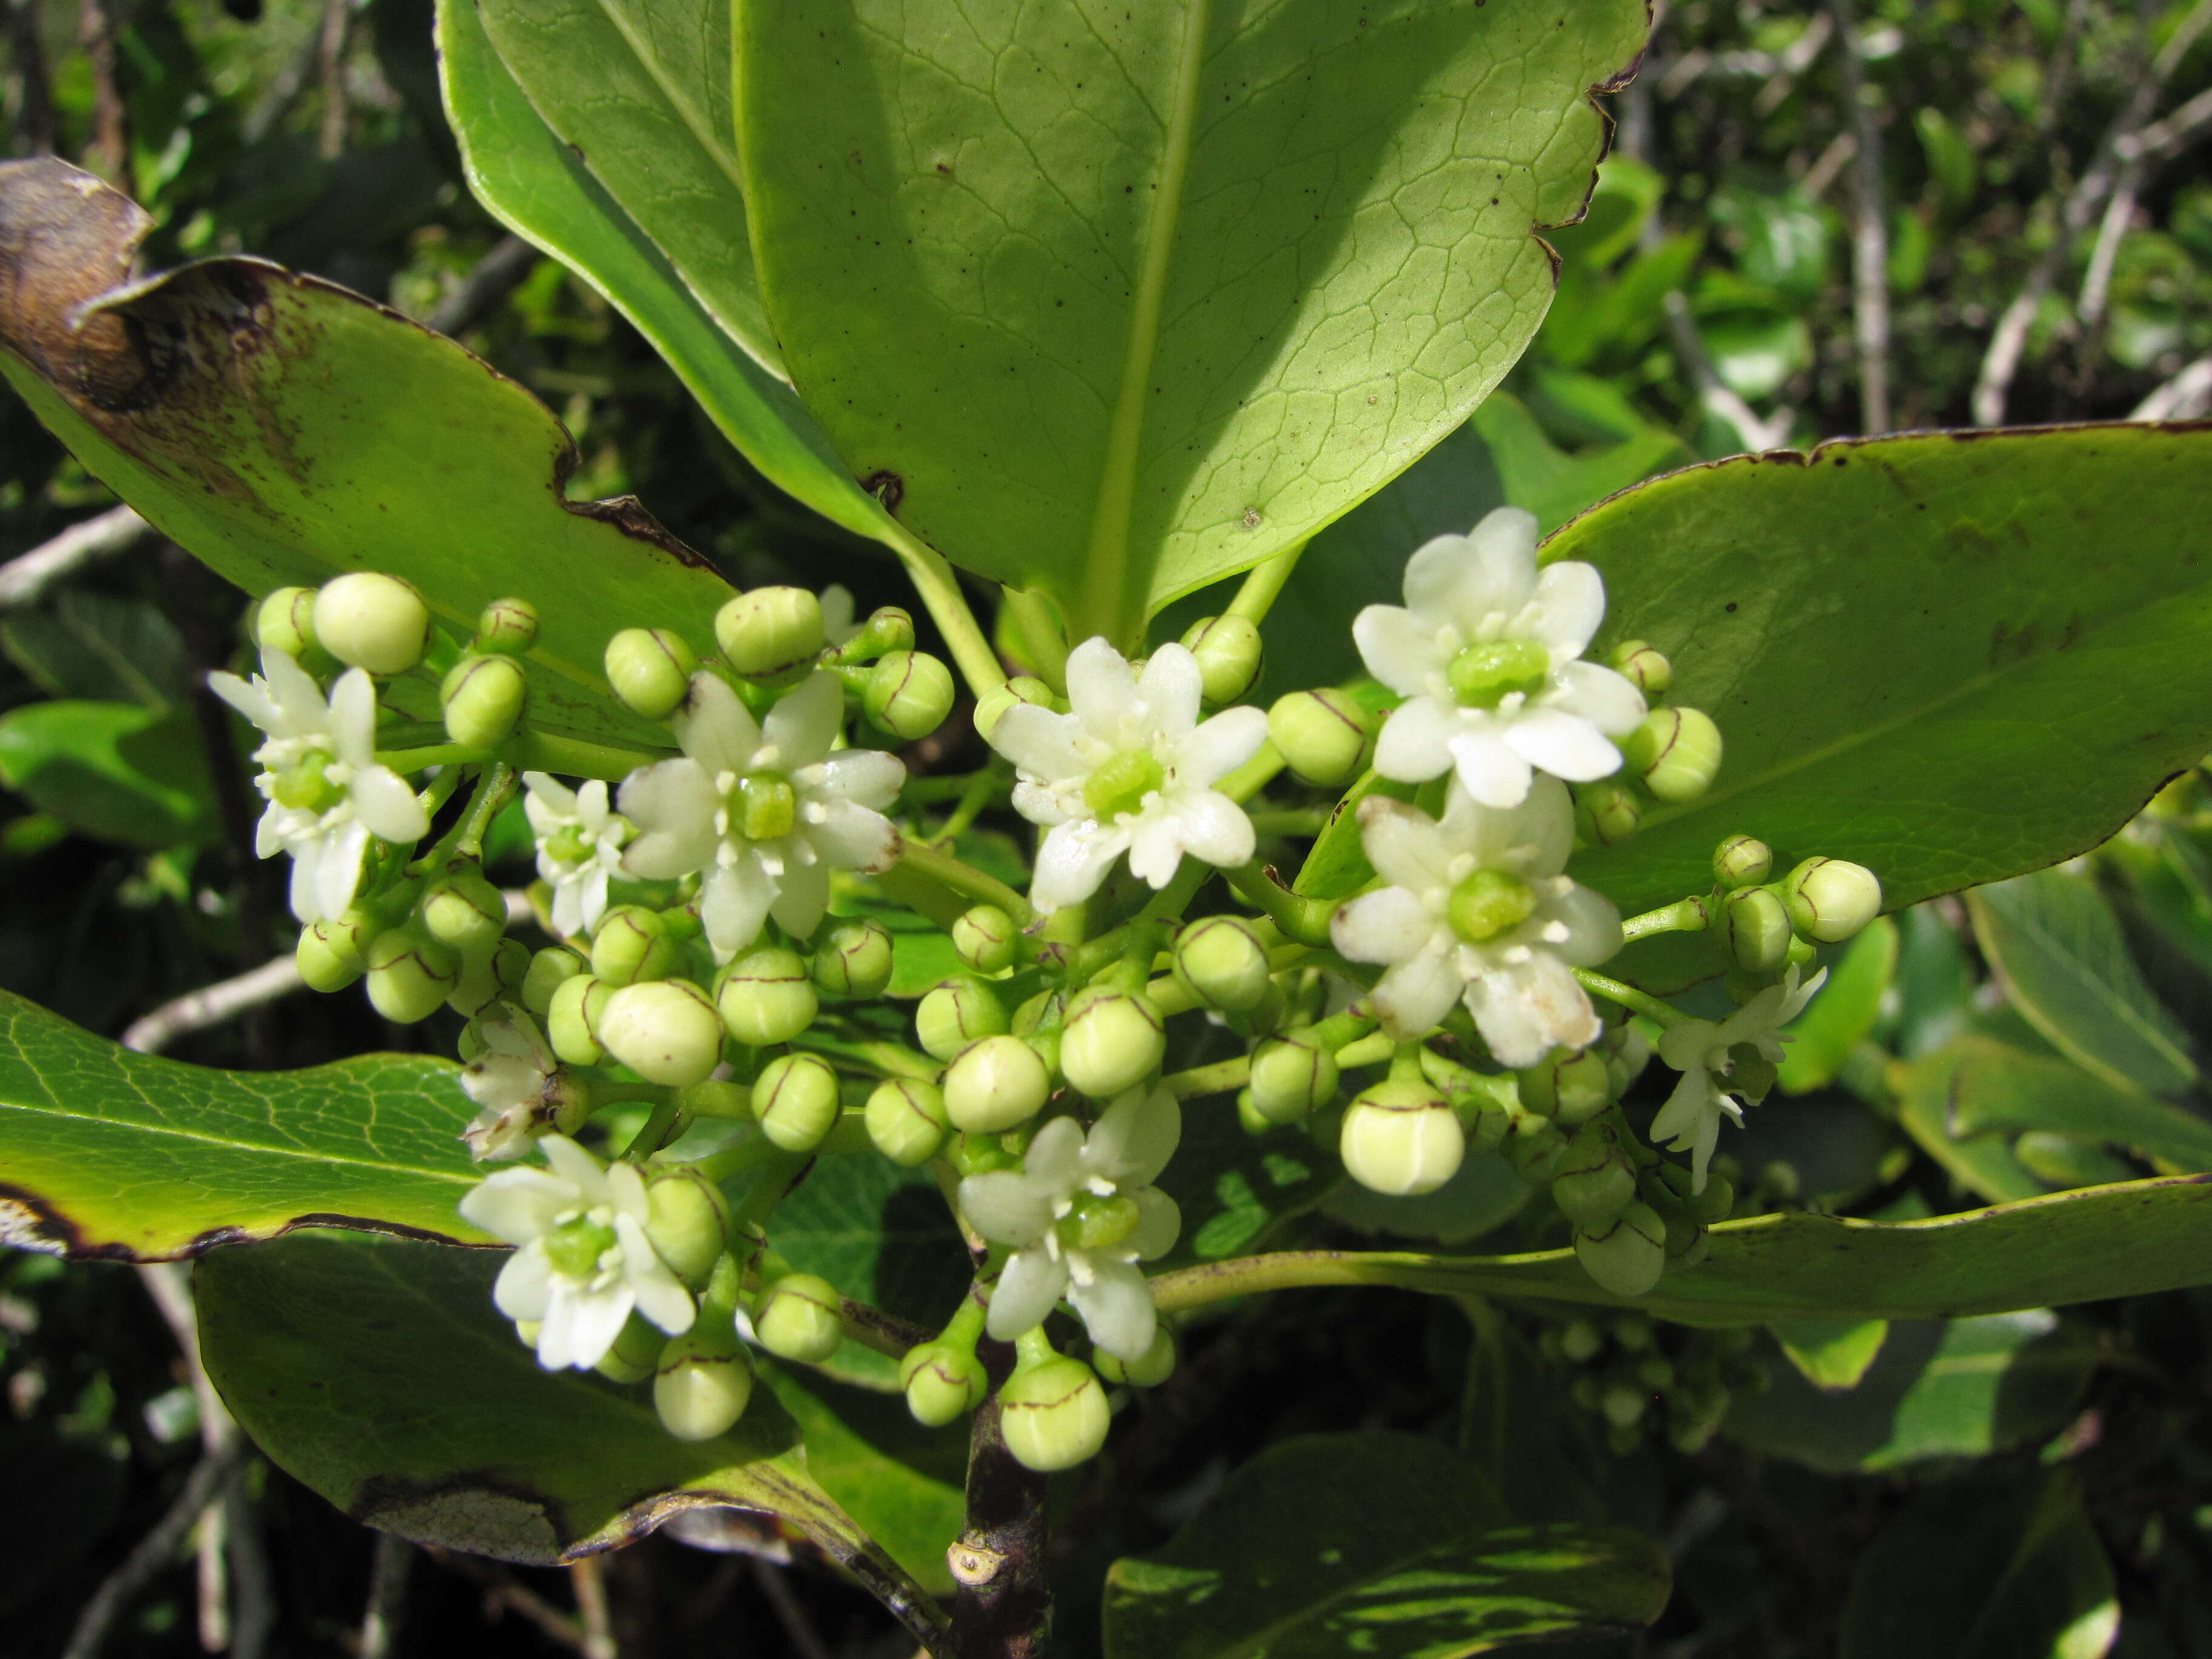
(1490,902)
(1121,784)
(576,1246)
(1484,676)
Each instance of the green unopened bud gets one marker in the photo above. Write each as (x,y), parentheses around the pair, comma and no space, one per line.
(1148,1370)
(999,698)
(1605,813)
(767,997)
(1401,1138)
(1754,930)
(1113,1041)
(1666,1189)
(1596,1182)
(329,956)
(1054,1415)
(957,1013)
(1229,655)
(507,627)
(854,960)
(908,694)
(796,1099)
(1222,963)
(1675,752)
(1323,736)
(636,1347)
(1643,667)
(372,621)
(689,1222)
(1830,899)
(800,1317)
(1580,1341)
(1627,1255)
(649,670)
(1715,1203)
(986,938)
(664,1029)
(632,944)
(1743,861)
(1535,1149)
(285,622)
(770,633)
(409,974)
(942,1382)
(907,1120)
(574,1019)
(465,911)
(547,969)
(484,698)
(1569,1087)
(994,1085)
(489,976)
(703,1384)
(1293,1076)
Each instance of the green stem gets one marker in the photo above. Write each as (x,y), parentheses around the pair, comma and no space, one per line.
(1630,998)
(1292,821)
(982,789)
(1249,778)
(1219,1281)
(1304,919)
(1042,633)
(574,757)
(884,1058)
(719,1167)
(1370,1050)
(1218,1078)
(939,591)
(1256,594)
(971,884)
(404,761)
(1688,915)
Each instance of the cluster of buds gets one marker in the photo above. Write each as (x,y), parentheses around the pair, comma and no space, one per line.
(1641,1380)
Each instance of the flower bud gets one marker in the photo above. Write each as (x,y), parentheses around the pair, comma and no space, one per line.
(1743,861)
(664,1029)
(1643,667)
(489,976)
(907,1120)
(1229,655)
(771,633)
(1572,1088)
(689,1222)
(1605,814)
(328,956)
(1675,752)
(1667,1191)
(285,622)
(766,997)
(649,670)
(409,974)
(908,694)
(465,911)
(635,1351)
(1401,1138)
(999,698)
(800,1317)
(957,1013)
(1627,1254)
(1535,1149)
(1113,1041)
(942,1382)
(796,1099)
(484,698)
(574,1019)
(1755,930)
(995,1084)
(1054,1415)
(370,621)
(854,960)
(1292,1077)
(1324,736)
(548,970)
(631,946)
(1716,1201)
(1222,963)
(703,1384)
(1596,1182)
(507,628)
(1148,1370)
(1830,899)
(986,939)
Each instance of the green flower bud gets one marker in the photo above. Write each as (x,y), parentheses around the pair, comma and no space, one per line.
(650,671)
(1667,1191)
(1605,814)
(632,945)
(1401,1138)
(796,1099)
(1627,1254)
(1830,900)
(548,968)
(908,694)
(703,1384)
(907,1120)
(1324,736)
(995,1084)
(574,1019)
(1148,1370)
(1596,1182)
(465,911)
(285,622)
(1643,667)
(1222,963)
(1579,1341)
(1292,1077)
(1113,1041)
(1714,1204)
(1229,655)
(489,976)
(854,960)
(1535,1149)
(1248,1118)
(484,698)
(370,621)
(1572,1087)
(957,1013)
(1743,861)
(689,1222)
(507,627)
(986,939)
(1054,1415)
(942,1382)
(328,956)
(771,633)
(1675,752)
(664,1029)
(766,997)
(800,1317)
(636,1350)
(1755,930)
(409,974)
(995,702)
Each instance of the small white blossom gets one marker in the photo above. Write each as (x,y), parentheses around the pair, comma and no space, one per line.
(1706,1054)
(582,1260)
(1072,1187)
(1477,909)
(516,1082)
(838,622)
(765,809)
(1130,769)
(579,842)
(1487,652)
(326,793)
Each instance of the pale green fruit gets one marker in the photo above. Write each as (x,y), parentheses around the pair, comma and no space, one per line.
(1830,899)
(907,1120)
(703,1384)
(1112,1041)
(649,671)
(766,997)
(1627,1254)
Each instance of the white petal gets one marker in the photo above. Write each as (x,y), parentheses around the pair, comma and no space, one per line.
(1593,925)
(307,859)
(867,777)
(837,623)
(1389,925)
(733,904)
(660,1296)
(1608,701)
(252,700)
(1218,748)
(1028,1285)
(572,1164)
(524,1285)
(1565,745)
(714,728)
(568,918)
(387,805)
(1048,745)
(1407,846)
(1054,1164)
(851,837)
(1116,1307)
(299,701)
(673,803)
(1528,1008)
(1100,691)
(1134,1138)
(1160,1222)
(1532,839)
(1006,1207)
(1683,1047)
(802,897)
(595,1319)
(1489,769)
(1400,649)
(1414,996)
(1215,828)
(1071,860)
(1416,741)
(1170,688)
(517,1205)
(804,722)
(337,869)
(1571,604)
(353,717)
(549,803)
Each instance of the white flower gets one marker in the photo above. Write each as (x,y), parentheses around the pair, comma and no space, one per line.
(1706,1054)
(1081,1213)
(1477,908)
(579,843)
(516,1083)
(766,809)
(1131,770)
(583,1260)
(326,793)
(838,624)
(1486,653)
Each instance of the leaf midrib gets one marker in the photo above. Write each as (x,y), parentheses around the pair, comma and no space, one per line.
(245,1146)
(726,161)
(2103,993)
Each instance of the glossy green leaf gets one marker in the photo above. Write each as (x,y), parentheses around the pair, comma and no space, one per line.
(1962,1388)
(1982,1164)
(287,430)
(1382,1544)
(1120,301)
(1843,1012)
(99,648)
(2066,964)
(1553,485)
(1831,1354)
(1998,1089)
(111,1154)
(120,771)
(1867,624)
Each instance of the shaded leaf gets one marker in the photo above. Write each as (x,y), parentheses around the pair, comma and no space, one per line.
(99,648)
(1233,1188)
(121,771)
(1553,485)
(1843,1013)
(1484,1194)
(1831,1354)
(1998,1089)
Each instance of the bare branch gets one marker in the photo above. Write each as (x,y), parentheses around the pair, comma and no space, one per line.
(25,578)
(212,1005)
(108,150)
(330,71)
(2171,133)
(387,1597)
(154,1552)
(2184,398)
(34,120)
(1830,162)
(502,1590)
(2120,214)
(589,1578)
(497,276)
(776,1587)
(1870,235)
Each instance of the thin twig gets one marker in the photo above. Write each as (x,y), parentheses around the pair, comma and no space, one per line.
(212,1005)
(2183,397)
(330,71)
(1830,162)
(387,1597)
(2120,214)
(108,151)
(589,1578)
(25,579)
(169,1286)
(497,276)
(154,1554)
(253,1603)
(502,1590)
(1870,235)
(776,1587)
(34,118)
